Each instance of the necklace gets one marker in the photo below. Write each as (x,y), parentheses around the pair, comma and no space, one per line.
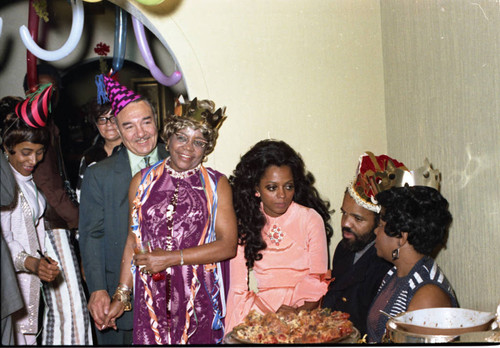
(276,234)
(180,175)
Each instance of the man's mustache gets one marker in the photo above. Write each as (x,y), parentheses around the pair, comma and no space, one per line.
(347,229)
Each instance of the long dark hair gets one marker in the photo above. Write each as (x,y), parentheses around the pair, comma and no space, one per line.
(247,176)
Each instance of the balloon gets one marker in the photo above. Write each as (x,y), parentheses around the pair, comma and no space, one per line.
(120,38)
(140,36)
(31,72)
(69,45)
(150,2)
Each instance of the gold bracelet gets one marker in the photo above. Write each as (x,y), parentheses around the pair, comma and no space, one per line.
(182,258)
(124,287)
(123,297)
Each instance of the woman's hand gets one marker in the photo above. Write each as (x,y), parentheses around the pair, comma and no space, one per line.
(286,309)
(158,260)
(115,311)
(308,306)
(47,271)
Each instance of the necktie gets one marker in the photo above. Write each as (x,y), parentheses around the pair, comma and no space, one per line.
(146,160)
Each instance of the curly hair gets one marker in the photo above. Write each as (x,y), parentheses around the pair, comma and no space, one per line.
(15,130)
(173,124)
(419,210)
(247,176)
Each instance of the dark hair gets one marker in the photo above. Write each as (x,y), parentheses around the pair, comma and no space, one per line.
(93,110)
(15,130)
(247,176)
(45,69)
(419,210)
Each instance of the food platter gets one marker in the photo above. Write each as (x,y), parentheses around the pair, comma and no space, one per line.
(302,327)
(354,337)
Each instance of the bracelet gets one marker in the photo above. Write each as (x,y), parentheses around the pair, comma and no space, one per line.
(123,297)
(124,287)
(19,261)
(182,258)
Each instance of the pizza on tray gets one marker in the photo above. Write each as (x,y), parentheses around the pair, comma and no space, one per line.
(316,326)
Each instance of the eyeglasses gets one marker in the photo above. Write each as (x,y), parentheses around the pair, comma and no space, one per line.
(103,120)
(182,139)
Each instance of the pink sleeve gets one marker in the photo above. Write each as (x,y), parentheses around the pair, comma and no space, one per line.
(318,254)
(314,286)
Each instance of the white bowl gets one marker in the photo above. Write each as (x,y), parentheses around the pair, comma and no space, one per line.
(444,321)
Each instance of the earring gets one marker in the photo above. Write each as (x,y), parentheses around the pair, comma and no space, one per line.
(257,194)
(395,254)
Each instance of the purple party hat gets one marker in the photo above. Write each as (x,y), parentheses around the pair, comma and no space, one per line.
(119,96)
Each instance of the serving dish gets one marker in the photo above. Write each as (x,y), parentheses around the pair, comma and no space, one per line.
(437,325)
(444,321)
(231,338)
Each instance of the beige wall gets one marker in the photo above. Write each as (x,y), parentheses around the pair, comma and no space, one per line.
(308,72)
(442,88)
(312,72)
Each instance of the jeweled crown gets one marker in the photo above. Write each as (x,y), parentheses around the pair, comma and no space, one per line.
(379,173)
(201,111)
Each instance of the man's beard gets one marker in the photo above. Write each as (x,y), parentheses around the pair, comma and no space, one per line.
(359,242)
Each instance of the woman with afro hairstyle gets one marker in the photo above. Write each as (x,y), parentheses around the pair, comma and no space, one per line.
(283,234)
(414,222)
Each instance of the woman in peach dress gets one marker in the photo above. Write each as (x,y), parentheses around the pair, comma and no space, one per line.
(283,230)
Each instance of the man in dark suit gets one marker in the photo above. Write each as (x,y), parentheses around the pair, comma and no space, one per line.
(356,269)
(104,208)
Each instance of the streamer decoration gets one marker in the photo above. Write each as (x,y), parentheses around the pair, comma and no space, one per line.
(31,60)
(120,39)
(140,36)
(69,45)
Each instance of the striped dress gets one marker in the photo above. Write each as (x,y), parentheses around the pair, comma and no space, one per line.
(66,318)
(395,293)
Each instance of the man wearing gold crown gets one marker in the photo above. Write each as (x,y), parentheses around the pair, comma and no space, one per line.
(104,205)
(357,271)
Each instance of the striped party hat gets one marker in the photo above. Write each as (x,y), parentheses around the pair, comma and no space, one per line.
(119,96)
(35,109)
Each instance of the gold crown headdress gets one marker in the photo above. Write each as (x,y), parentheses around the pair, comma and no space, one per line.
(200,111)
(379,173)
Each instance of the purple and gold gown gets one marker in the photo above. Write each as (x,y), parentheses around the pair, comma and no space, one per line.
(176,206)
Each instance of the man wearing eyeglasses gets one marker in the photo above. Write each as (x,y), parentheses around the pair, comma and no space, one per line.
(104,207)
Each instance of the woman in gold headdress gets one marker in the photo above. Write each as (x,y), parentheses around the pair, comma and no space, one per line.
(185,212)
